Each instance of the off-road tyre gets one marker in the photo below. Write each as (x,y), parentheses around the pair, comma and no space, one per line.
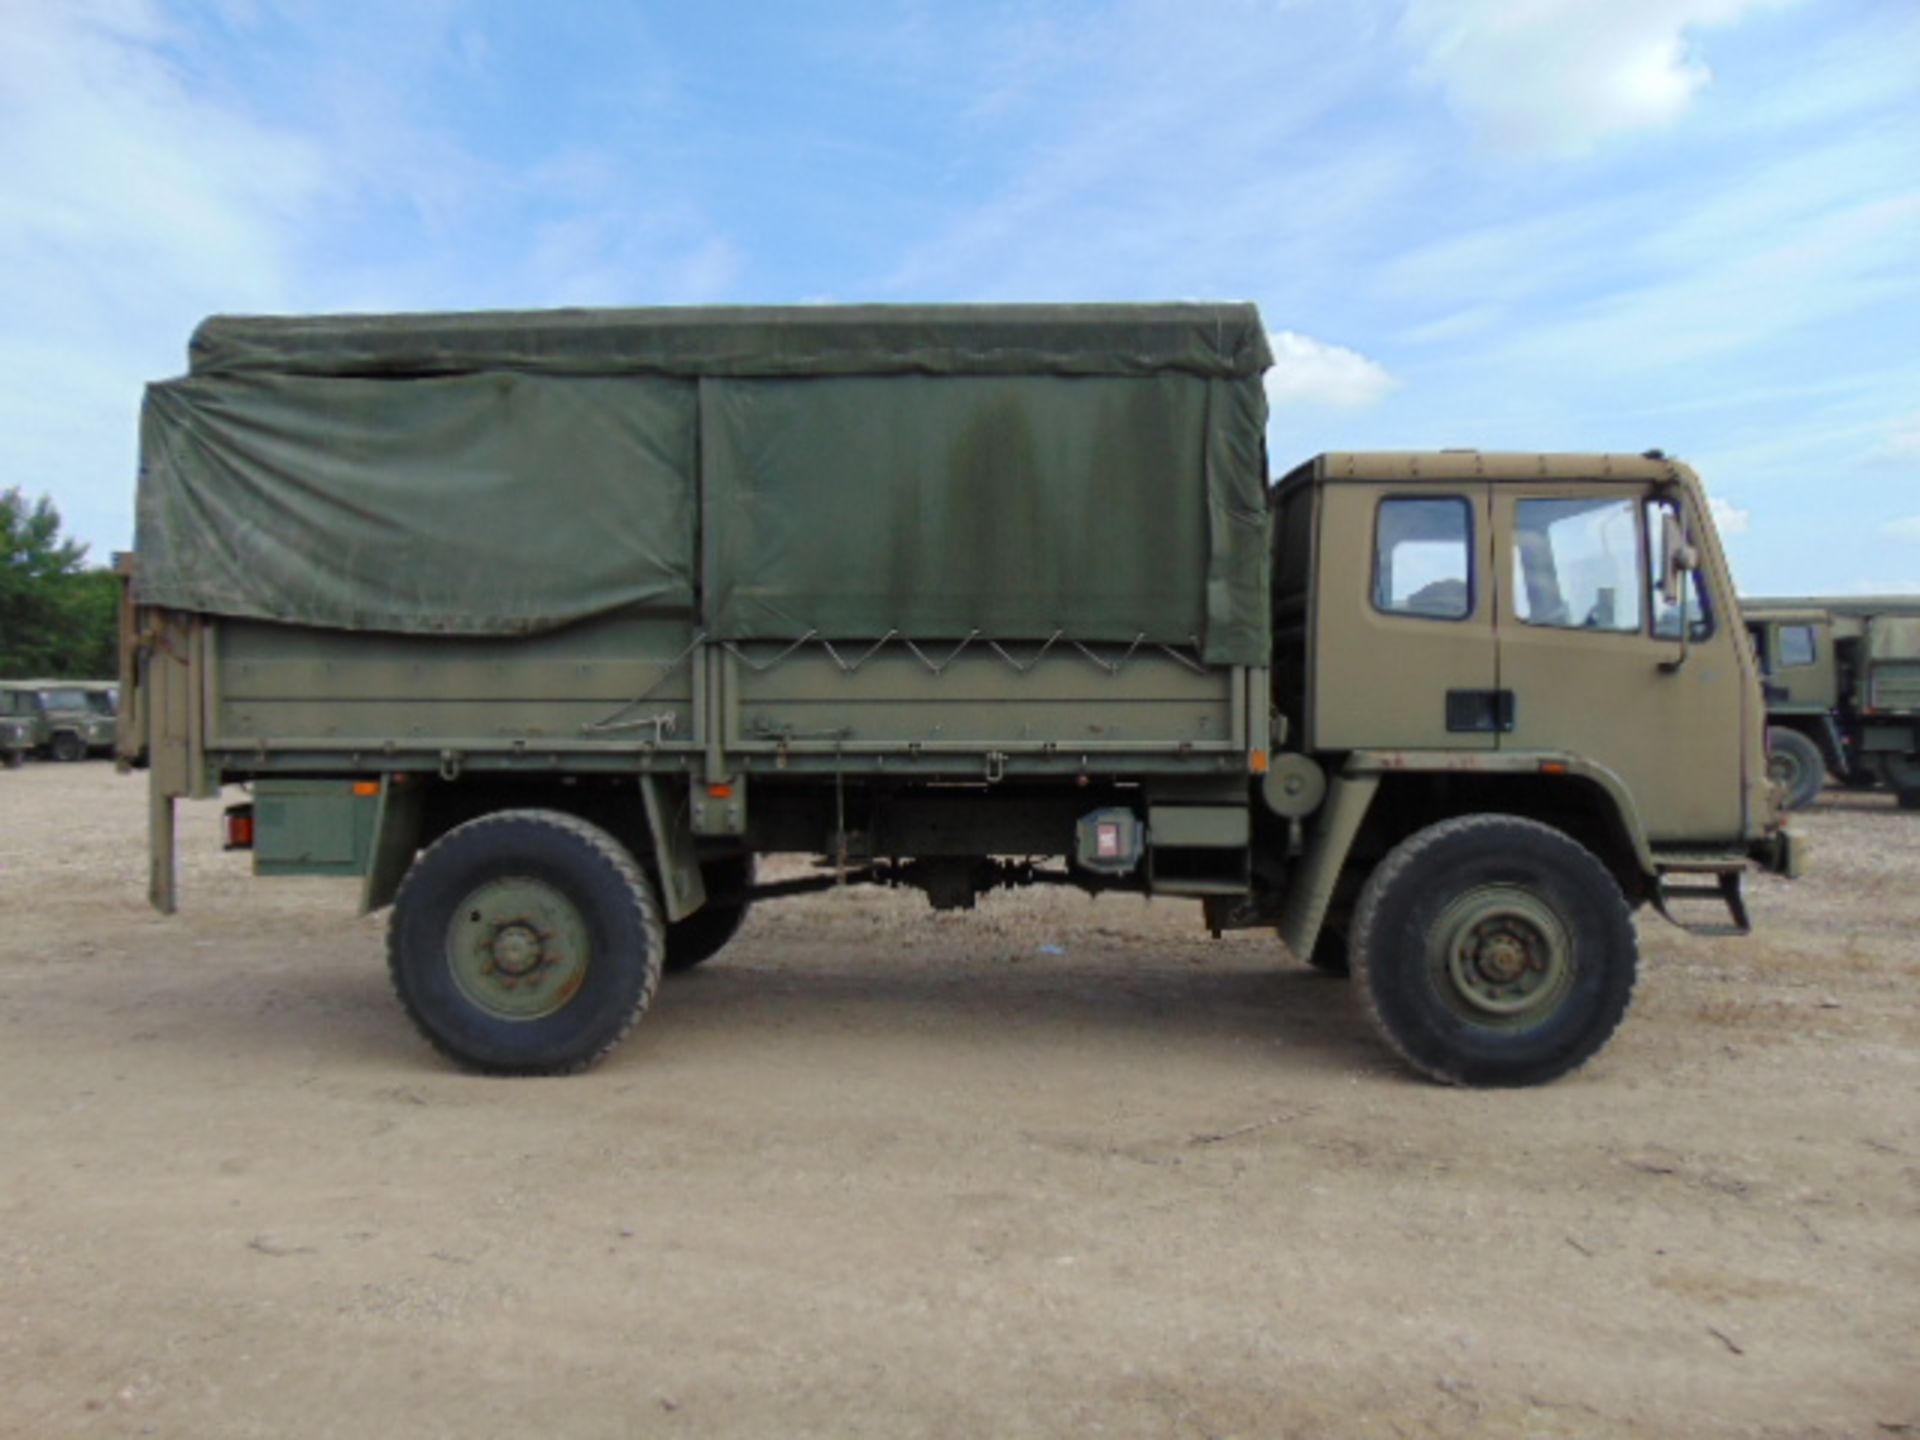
(703,934)
(616,912)
(14,759)
(1531,879)
(1330,951)
(1796,763)
(67,747)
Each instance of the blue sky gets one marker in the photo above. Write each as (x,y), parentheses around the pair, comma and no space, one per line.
(1534,224)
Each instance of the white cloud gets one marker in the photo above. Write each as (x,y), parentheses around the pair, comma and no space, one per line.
(1903,443)
(162,163)
(1906,528)
(122,181)
(1728,518)
(1557,77)
(1310,372)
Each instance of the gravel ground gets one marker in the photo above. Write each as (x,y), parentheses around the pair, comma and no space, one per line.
(1055,1167)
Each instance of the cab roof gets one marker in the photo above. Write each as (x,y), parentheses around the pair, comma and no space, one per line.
(1820,606)
(1454,465)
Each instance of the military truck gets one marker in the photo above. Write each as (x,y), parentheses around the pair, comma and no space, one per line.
(60,719)
(544,626)
(103,704)
(1841,677)
(16,739)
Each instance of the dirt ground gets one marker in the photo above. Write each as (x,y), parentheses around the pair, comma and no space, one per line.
(1055,1167)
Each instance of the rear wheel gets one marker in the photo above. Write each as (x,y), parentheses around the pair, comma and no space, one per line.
(703,934)
(1490,950)
(1795,764)
(15,759)
(526,942)
(68,746)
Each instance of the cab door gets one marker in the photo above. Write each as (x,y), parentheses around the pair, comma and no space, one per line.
(1592,655)
(1802,662)
(1403,618)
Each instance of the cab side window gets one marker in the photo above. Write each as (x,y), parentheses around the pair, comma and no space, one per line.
(1796,646)
(1423,557)
(1576,564)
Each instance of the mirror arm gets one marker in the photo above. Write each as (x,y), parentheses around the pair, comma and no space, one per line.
(1673,666)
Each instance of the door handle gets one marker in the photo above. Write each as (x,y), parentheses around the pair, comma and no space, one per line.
(1480,712)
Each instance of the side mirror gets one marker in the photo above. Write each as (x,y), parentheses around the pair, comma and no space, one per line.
(1681,558)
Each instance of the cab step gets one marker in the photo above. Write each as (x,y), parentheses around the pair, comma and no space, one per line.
(1724,885)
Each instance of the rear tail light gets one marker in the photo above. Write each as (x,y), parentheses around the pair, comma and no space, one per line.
(238,822)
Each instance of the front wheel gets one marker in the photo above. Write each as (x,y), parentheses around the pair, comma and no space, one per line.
(1491,950)
(1796,766)
(526,942)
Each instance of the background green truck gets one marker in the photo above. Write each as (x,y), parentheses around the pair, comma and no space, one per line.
(544,626)
(16,738)
(61,719)
(1842,683)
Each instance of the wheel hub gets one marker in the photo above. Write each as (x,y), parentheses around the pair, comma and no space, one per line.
(1500,956)
(518,948)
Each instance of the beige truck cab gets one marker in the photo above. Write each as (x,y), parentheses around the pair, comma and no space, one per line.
(1527,678)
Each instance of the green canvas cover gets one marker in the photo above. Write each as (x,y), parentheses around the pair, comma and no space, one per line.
(1008,507)
(1893,638)
(483,504)
(1216,341)
(929,472)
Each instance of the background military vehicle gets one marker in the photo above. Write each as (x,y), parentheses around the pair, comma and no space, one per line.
(543,626)
(1842,683)
(103,703)
(16,739)
(61,718)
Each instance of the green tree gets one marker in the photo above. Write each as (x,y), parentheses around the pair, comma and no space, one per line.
(57,616)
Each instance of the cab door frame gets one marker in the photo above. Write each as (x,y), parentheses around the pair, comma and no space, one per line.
(1615,696)
(1392,678)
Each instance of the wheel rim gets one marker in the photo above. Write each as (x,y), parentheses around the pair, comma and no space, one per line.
(1784,767)
(518,948)
(1500,957)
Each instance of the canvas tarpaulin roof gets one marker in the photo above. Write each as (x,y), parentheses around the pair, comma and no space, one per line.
(1891,637)
(1216,341)
(930,472)
(483,504)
